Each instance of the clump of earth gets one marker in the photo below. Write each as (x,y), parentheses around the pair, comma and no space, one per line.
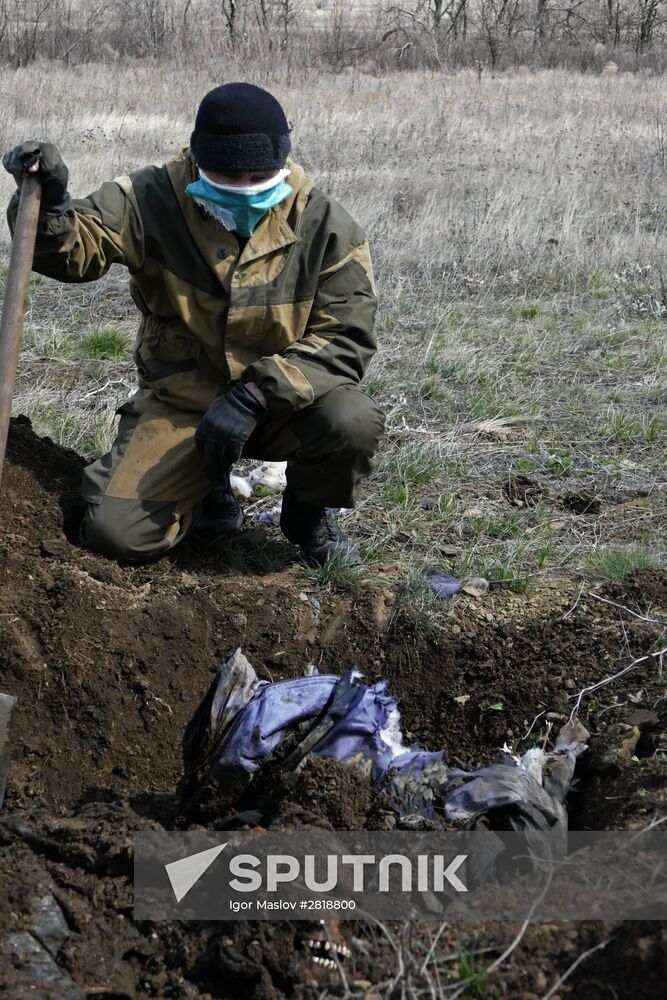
(109,662)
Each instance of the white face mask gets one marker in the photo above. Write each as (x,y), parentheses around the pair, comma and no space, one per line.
(248,189)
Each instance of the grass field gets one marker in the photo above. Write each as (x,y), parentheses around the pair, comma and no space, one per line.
(519,231)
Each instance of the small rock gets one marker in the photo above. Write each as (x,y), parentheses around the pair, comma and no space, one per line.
(54,546)
(574,732)
(644,718)
(49,925)
(450,550)
(646,947)
(540,980)
(384,603)
(614,751)
(361,984)
(35,968)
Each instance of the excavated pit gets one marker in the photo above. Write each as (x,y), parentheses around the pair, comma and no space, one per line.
(109,662)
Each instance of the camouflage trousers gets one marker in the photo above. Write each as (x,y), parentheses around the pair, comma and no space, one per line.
(142,497)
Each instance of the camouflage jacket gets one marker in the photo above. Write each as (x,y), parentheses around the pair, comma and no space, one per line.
(292,309)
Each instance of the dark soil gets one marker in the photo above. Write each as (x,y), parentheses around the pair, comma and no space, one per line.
(108,663)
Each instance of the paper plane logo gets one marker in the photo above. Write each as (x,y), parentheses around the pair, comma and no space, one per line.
(185,873)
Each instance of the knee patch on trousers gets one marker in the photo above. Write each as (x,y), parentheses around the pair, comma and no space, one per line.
(352,419)
(132,530)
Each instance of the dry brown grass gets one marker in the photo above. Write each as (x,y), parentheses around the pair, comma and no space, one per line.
(478,174)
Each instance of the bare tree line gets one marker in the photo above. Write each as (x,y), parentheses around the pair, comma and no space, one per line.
(515,27)
(375,33)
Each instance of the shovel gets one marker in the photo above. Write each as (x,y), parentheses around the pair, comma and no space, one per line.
(18,278)
(7,703)
(11,328)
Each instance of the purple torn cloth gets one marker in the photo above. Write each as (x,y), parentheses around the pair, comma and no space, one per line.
(244,724)
(249,718)
(443,584)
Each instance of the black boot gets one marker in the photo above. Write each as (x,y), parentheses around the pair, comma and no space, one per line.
(314,530)
(220,515)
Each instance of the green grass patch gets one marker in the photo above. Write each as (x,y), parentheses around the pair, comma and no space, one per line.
(508,573)
(511,563)
(106,344)
(472,972)
(450,369)
(420,606)
(243,555)
(529,310)
(557,463)
(375,384)
(508,525)
(616,562)
(337,573)
(633,428)
(417,463)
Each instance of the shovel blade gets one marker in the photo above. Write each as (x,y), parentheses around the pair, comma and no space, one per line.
(7,703)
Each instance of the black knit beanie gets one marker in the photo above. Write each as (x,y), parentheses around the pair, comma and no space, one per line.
(240,127)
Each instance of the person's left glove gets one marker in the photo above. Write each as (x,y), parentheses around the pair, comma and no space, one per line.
(226,426)
(52,172)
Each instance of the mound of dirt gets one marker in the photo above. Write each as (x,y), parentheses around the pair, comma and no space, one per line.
(644,591)
(109,662)
(325,792)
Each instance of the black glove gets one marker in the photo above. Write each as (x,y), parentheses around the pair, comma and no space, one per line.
(225,428)
(52,172)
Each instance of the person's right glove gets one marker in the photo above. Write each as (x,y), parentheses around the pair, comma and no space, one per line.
(225,428)
(52,172)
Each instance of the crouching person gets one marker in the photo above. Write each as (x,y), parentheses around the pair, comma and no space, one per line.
(257,301)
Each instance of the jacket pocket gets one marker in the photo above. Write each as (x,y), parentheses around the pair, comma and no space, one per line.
(169,363)
(155,370)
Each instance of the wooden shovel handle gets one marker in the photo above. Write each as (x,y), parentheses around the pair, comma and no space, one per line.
(16,289)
